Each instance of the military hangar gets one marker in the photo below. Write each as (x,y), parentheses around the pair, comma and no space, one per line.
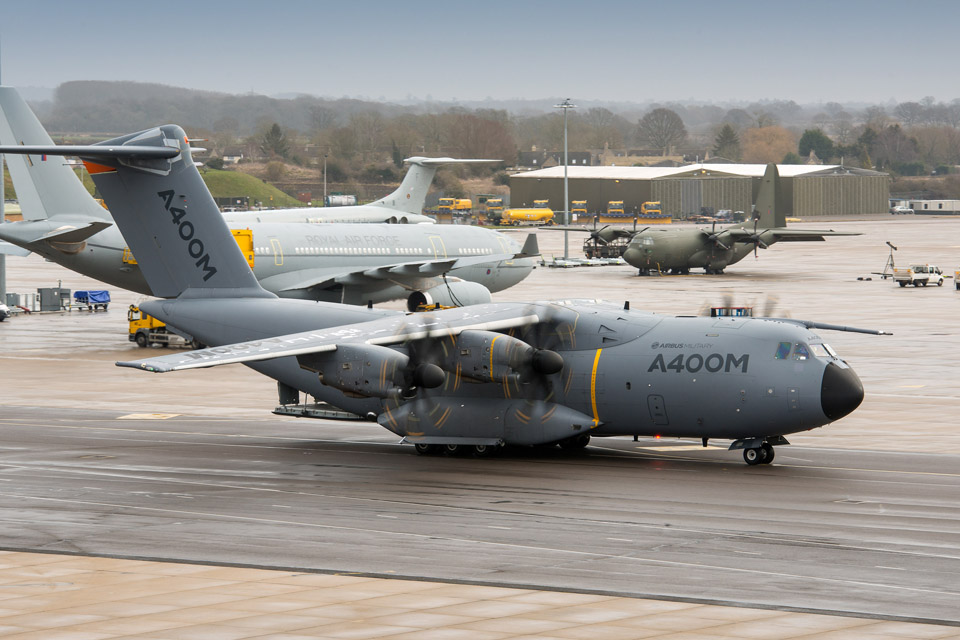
(806,190)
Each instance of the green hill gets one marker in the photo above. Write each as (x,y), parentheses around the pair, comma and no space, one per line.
(226,184)
(222,184)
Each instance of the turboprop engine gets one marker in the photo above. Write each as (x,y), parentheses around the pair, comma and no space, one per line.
(456,293)
(370,371)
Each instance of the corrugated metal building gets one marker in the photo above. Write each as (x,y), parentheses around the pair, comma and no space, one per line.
(805,190)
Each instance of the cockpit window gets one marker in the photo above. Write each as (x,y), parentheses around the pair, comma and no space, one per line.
(830,350)
(819,350)
(801,352)
(783,351)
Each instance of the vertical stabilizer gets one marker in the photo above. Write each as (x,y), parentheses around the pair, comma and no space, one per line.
(46,186)
(411,195)
(169,218)
(770,215)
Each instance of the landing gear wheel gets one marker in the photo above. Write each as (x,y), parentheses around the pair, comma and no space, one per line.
(485,450)
(769,453)
(141,340)
(451,449)
(753,456)
(575,443)
(426,449)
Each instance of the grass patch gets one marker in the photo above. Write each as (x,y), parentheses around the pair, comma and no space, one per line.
(225,184)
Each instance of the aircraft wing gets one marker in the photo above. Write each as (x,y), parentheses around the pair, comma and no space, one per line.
(384,331)
(783,234)
(398,272)
(56,229)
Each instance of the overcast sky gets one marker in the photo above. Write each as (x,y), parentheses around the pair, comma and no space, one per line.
(715,50)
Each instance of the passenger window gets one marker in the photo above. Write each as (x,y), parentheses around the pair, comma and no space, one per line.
(801,352)
(783,351)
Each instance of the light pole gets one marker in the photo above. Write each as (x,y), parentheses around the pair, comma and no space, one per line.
(324,180)
(566,105)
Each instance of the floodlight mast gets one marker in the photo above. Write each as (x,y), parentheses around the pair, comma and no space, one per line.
(566,105)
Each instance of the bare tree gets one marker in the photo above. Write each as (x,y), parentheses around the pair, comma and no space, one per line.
(909,113)
(661,128)
(842,126)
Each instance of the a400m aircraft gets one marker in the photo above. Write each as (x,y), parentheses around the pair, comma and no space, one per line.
(351,263)
(476,377)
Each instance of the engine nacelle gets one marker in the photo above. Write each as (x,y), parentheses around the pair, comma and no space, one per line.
(458,293)
(370,371)
(490,356)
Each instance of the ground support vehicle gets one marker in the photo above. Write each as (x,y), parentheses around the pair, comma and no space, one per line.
(531,217)
(146,331)
(919,275)
(92,300)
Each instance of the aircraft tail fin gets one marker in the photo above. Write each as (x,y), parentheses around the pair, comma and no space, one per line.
(45,186)
(411,195)
(767,209)
(165,213)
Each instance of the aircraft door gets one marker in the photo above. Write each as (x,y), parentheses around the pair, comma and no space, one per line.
(505,248)
(439,250)
(658,410)
(277,252)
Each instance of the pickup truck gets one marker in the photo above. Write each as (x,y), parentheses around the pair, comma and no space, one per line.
(919,275)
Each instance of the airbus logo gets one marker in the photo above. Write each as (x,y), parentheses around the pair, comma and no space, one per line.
(186,232)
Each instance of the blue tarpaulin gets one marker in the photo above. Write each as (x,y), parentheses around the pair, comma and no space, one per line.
(91,297)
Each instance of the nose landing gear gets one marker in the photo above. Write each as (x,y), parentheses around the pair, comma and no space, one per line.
(758,450)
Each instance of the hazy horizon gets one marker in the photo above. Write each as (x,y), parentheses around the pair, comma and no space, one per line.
(609,52)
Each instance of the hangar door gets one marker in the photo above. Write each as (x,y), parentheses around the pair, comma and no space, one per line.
(691,196)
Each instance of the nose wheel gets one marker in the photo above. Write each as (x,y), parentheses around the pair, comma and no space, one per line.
(763,454)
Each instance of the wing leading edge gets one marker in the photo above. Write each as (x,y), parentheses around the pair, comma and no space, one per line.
(381,332)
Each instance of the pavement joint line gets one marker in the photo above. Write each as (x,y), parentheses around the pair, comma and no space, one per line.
(505,585)
(433,536)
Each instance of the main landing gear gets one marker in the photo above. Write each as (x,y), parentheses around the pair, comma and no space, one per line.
(476,450)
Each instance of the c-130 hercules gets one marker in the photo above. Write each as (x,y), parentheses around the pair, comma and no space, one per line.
(667,249)
(476,377)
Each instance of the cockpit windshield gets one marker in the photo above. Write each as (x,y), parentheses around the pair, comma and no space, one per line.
(801,351)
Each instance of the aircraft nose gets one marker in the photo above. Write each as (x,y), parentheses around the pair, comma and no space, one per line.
(632,255)
(840,392)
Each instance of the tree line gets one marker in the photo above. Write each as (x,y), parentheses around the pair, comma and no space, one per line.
(365,139)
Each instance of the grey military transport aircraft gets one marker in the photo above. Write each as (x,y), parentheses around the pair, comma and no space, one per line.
(354,263)
(666,249)
(476,377)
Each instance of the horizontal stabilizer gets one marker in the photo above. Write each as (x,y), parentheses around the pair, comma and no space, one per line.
(91,151)
(438,162)
(70,233)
